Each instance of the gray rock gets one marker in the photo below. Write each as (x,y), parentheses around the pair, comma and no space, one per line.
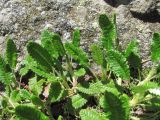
(147,10)
(158,7)
(24,20)
(143,6)
(130,28)
(116,3)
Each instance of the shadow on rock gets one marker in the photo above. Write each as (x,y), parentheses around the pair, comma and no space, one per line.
(151,17)
(116,3)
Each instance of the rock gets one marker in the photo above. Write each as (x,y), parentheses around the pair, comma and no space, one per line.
(24,20)
(130,28)
(158,8)
(147,10)
(116,3)
(143,6)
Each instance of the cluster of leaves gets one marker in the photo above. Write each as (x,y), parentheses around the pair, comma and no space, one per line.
(56,80)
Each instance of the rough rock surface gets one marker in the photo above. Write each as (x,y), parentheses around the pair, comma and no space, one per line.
(23,20)
(147,10)
(144,6)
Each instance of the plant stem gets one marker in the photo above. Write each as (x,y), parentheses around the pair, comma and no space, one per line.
(14,79)
(109,75)
(20,82)
(9,100)
(135,100)
(11,103)
(69,67)
(63,77)
(12,118)
(65,82)
(68,62)
(103,73)
(119,81)
(134,118)
(149,77)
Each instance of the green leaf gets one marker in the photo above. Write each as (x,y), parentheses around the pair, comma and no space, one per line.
(4,103)
(5,77)
(78,101)
(107,43)
(60,118)
(29,113)
(77,53)
(116,107)
(24,71)
(15,96)
(125,106)
(2,64)
(50,77)
(108,30)
(153,104)
(132,48)
(46,36)
(155,91)
(11,53)
(41,55)
(36,86)
(36,101)
(97,54)
(55,92)
(28,63)
(135,64)
(52,42)
(25,94)
(133,57)
(114,18)
(144,88)
(155,47)
(48,43)
(92,114)
(93,88)
(19,95)
(58,44)
(107,26)
(113,88)
(80,72)
(76,38)
(134,61)
(32,65)
(118,64)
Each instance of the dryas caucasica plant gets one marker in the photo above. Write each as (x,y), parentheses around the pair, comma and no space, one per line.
(56,80)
